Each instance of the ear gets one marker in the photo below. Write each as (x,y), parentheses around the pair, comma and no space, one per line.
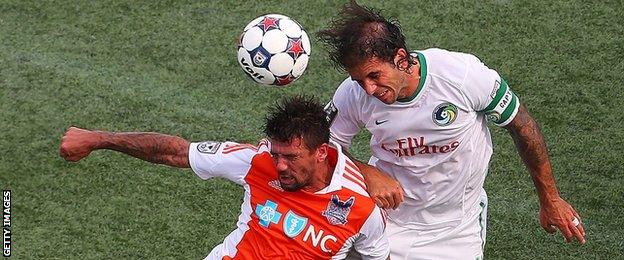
(400,58)
(321,153)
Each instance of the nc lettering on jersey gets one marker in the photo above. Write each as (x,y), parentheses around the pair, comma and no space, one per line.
(293,225)
(411,146)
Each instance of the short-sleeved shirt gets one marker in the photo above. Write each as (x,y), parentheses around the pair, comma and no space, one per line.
(436,143)
(279,224)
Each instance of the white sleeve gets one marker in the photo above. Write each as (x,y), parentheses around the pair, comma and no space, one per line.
(488,92)
(342,115)
(227,160)
(373,242)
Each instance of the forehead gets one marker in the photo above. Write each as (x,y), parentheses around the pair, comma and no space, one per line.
(368,65)
(295,144)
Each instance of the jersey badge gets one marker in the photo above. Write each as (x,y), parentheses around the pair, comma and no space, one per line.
(210,147)
(444,114)
(294,224)
(331,111)
(337,210)
(268,213)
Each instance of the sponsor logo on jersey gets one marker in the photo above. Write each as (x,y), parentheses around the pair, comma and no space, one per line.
(337,210)
(209,147)
(444,114)
(294,224)
(268,213)
(411,146)
(331,111)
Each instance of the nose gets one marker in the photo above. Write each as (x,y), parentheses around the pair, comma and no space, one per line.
(281,164)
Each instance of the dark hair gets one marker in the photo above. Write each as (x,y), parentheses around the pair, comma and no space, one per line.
(298,116)
(360,33)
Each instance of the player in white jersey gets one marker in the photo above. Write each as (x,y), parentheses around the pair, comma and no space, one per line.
(427,112)
(303,198)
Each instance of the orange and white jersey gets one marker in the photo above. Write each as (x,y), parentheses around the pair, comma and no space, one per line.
(278,224)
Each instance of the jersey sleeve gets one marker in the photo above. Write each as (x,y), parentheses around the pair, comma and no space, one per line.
(216,159)
(342,115)
(372,243)
(489,93)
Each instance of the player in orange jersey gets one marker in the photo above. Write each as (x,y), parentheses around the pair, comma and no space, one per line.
(304,199)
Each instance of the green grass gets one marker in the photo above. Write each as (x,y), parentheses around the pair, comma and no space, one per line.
(169,66)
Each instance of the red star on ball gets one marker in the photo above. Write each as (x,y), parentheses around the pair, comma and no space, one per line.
(281,81)
(295,48)
(267,23)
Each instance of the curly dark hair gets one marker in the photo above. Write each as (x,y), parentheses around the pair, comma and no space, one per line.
(298,116)
(360,33)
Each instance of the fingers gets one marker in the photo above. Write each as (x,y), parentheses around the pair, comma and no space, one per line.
(382,202)
(397,197)
(577,229)
(391,199)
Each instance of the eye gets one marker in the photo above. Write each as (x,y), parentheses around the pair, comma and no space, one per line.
(373,75)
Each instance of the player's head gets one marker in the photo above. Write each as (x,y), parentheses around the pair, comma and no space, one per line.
(360,33)
(299,134)
(372,50)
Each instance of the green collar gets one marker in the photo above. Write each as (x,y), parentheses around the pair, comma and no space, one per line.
(421,83)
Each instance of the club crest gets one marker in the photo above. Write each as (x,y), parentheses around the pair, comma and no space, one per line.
(444,114)
(337,210)
(294,224)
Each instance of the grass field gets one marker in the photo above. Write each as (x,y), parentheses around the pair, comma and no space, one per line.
(170,66)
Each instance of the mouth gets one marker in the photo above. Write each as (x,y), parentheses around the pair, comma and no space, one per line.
(286,179)
(382,94)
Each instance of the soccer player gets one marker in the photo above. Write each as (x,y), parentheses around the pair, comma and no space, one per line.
(427,112)
(303,198)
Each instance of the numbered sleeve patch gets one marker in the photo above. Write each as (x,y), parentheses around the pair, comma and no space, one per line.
(504,105)
(331,111)
(209,147)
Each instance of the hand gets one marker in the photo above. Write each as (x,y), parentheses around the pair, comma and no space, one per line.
(77,143)
(385,190)
(558,213)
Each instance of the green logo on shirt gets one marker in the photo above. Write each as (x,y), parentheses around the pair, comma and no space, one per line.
(444,114)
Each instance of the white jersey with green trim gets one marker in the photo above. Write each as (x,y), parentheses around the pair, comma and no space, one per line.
(436,143)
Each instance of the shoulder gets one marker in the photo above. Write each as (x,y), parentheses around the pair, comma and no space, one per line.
(348,91)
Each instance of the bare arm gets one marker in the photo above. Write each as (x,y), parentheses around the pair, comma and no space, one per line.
(554,211)
(385,190)
(152,147)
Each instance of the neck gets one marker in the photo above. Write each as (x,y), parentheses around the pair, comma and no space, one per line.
(413,79)
(322,177)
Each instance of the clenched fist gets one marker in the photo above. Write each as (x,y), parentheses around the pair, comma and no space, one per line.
(77,143)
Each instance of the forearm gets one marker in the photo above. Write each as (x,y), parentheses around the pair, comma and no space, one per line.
(151,147)
(531,146)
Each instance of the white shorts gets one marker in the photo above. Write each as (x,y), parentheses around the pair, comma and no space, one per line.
(466,241)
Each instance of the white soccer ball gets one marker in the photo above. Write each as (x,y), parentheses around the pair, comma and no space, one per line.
(274,50)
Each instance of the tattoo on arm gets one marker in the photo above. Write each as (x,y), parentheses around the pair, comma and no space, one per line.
(531,146)
(151,147)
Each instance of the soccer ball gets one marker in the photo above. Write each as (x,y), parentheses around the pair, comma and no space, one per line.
(274,50)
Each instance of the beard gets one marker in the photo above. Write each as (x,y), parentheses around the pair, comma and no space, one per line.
(288,182)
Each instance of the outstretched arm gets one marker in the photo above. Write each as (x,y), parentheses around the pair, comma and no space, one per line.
(554,211)
(158,148)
